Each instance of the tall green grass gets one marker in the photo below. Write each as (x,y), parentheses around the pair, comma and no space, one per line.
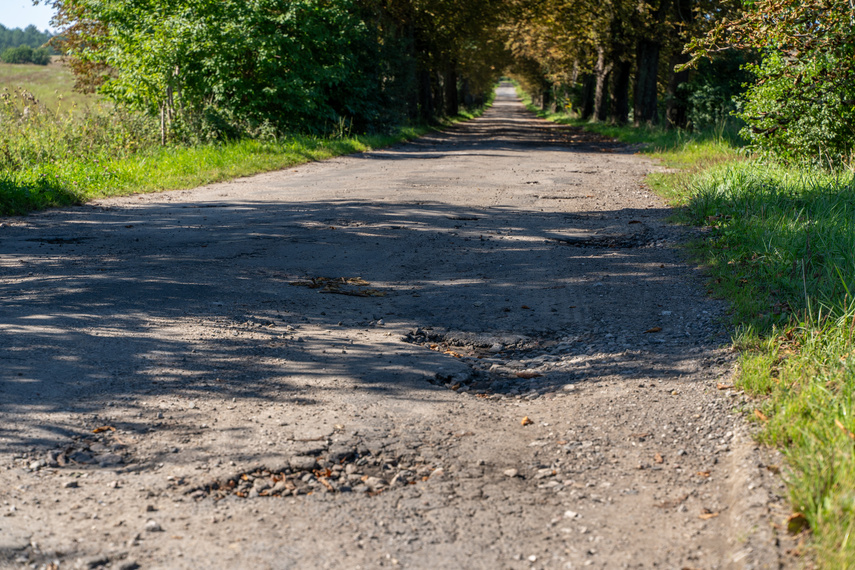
(779,245)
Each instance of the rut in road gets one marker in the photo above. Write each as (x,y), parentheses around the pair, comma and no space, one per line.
(482,349)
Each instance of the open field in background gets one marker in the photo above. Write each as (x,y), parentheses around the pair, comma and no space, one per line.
(51,84)
(779,245)
(51,157)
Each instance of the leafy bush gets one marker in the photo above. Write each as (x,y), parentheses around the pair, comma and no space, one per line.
(816,126)
(800,109)
(26,54)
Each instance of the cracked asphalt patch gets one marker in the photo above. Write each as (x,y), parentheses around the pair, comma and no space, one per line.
(476,395)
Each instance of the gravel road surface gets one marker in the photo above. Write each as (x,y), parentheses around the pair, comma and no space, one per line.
(481,349)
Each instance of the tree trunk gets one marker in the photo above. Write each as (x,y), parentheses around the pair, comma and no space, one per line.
(677,107)
(425,96)
(646,75)
(601,73)
(452,104)
(466,92)
(438,91)
(588,87)
(619,109)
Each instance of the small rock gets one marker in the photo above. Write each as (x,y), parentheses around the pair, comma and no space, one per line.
(375,483)
(511,472)
(127,565)
(152,525)
(108,459)
(437,473)
(70,485)
(303,463)
(80,457)
(570,514)
(261,484)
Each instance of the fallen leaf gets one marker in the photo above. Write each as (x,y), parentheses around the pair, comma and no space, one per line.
(658,458)
(634,221)
(653,330)
(721,386)
(761,416)
(525,307)
(796,523)
(454,354)
(527,375)
(706,514)
(103,428)
(703,473)
(525,421)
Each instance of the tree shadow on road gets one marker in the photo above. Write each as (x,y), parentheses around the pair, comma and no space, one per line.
(198,301)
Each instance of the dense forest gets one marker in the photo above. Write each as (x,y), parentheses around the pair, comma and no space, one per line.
(29,36)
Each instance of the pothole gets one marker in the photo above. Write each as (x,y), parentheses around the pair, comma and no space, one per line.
(103,448)
(621,241)
(59,240)
(353,471)
(489,364)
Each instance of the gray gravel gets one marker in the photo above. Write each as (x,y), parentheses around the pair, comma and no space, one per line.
(482,349)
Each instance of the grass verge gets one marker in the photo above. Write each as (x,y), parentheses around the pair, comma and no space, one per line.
(779,245)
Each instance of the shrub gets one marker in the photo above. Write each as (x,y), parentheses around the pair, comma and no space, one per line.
(26,54)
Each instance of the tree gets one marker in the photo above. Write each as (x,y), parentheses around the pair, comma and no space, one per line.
(802,105)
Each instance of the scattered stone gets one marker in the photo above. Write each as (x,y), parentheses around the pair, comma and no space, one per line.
(152,525)
(70,485)
(511,473)
(303,462)
(109,459)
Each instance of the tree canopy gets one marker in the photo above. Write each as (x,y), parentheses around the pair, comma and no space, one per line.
(230,68)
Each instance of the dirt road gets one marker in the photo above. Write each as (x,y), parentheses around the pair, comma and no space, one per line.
(482,349)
